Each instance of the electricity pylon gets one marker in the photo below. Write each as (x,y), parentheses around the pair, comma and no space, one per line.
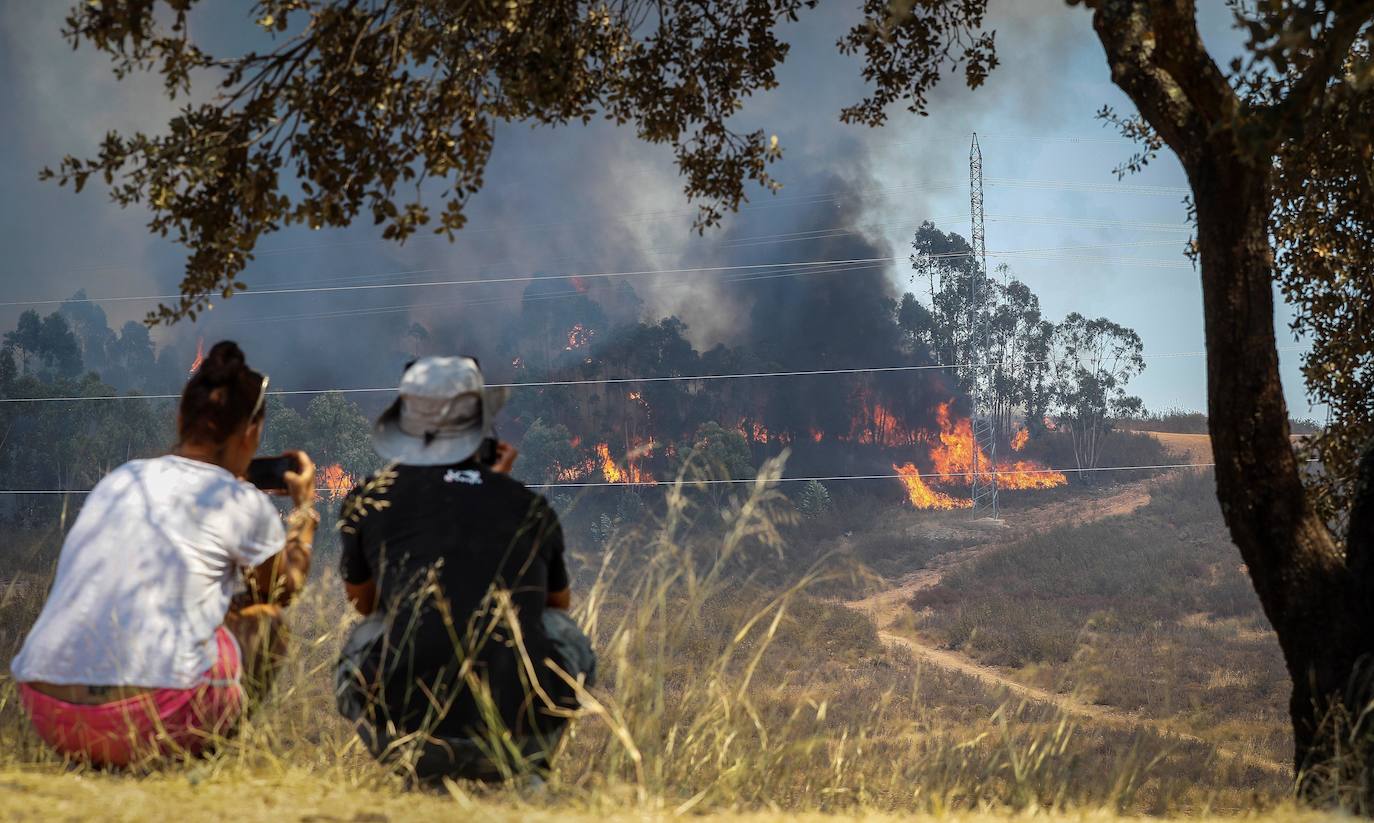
(984,469)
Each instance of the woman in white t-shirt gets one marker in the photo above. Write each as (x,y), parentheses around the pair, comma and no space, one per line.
(147,638)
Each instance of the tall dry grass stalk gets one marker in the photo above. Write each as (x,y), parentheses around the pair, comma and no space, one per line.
(719,691)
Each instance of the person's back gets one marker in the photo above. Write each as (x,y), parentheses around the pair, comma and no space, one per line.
(145,576)
(459,570)
(448,540)
(145,647)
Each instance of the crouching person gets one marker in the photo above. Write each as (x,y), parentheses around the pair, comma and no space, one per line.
(148,638)
(459,570)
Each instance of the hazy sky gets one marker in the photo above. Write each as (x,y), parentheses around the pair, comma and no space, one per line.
(595,199)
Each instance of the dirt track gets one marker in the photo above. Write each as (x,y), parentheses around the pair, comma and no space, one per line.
(886,607)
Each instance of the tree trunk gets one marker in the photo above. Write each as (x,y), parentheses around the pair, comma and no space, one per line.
(1320,604)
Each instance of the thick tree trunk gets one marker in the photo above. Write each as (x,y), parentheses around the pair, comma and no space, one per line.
(1319,598)
(1320,609)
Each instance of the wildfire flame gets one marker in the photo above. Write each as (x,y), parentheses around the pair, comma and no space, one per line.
(876,426)
(336,482)
(579,282)
(575,472)
(923,496)
(631,473)
(1019,440)
(1028,474)
(200,356)
(609,469)
(756,432)
(952,458)
(578,337)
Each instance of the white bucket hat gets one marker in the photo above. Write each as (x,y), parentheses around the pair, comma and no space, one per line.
(443,411)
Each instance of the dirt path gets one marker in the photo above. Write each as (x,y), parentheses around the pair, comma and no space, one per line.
(887,606)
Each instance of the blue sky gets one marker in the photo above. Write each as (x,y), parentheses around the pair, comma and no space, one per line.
(596,199)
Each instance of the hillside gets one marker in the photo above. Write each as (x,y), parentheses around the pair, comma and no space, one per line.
(1148,613)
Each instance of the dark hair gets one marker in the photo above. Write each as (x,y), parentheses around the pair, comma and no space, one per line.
(220,397)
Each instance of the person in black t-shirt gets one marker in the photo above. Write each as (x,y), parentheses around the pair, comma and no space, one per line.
(459,569)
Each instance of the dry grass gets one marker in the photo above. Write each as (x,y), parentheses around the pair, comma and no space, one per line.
(301,796)
(1149,613)
(724,692)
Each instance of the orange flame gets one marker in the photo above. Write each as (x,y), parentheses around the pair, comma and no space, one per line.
(952,459)
(756,432)
(609,469)
(575,472)
(1028,474)
(336,482)
(579,282)
(1019,440)
(578,337)
(631,473)
(876,426)
(923,496)
(200,355)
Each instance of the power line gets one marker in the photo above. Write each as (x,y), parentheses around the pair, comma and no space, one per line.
(618,380)
(738,480)
(468,282)
(732,243)
(1015,253)
(800,199)
(1020,254)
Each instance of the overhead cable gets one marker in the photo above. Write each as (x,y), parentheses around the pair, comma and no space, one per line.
(675,378)
(740,480)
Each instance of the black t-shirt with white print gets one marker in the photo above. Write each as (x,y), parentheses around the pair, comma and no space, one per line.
(443,543)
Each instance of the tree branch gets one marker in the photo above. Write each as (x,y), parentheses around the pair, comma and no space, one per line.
(1333,48)
(1127,34)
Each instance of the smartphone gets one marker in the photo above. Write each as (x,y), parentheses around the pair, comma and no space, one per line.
(486,453)
(269,473)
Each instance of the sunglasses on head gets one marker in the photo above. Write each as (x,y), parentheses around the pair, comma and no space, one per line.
(262,398)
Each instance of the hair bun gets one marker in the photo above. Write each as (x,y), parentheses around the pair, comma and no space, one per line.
(224,359)
(221,396)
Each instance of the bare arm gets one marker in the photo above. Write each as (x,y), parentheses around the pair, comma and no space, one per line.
(282,576)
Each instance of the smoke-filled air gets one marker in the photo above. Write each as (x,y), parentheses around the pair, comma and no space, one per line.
(770,410)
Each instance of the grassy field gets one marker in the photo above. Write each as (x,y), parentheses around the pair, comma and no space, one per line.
(736,682)
(1149,612)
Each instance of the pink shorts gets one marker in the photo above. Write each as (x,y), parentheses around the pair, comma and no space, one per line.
(160,723)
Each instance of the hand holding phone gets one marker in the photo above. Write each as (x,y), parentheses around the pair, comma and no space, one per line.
(269,473)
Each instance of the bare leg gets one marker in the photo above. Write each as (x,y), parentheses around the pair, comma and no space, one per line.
(261,631)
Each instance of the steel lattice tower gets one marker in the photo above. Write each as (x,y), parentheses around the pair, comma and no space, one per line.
(984,471)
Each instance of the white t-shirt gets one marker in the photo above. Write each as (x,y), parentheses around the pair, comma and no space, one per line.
(146,575)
